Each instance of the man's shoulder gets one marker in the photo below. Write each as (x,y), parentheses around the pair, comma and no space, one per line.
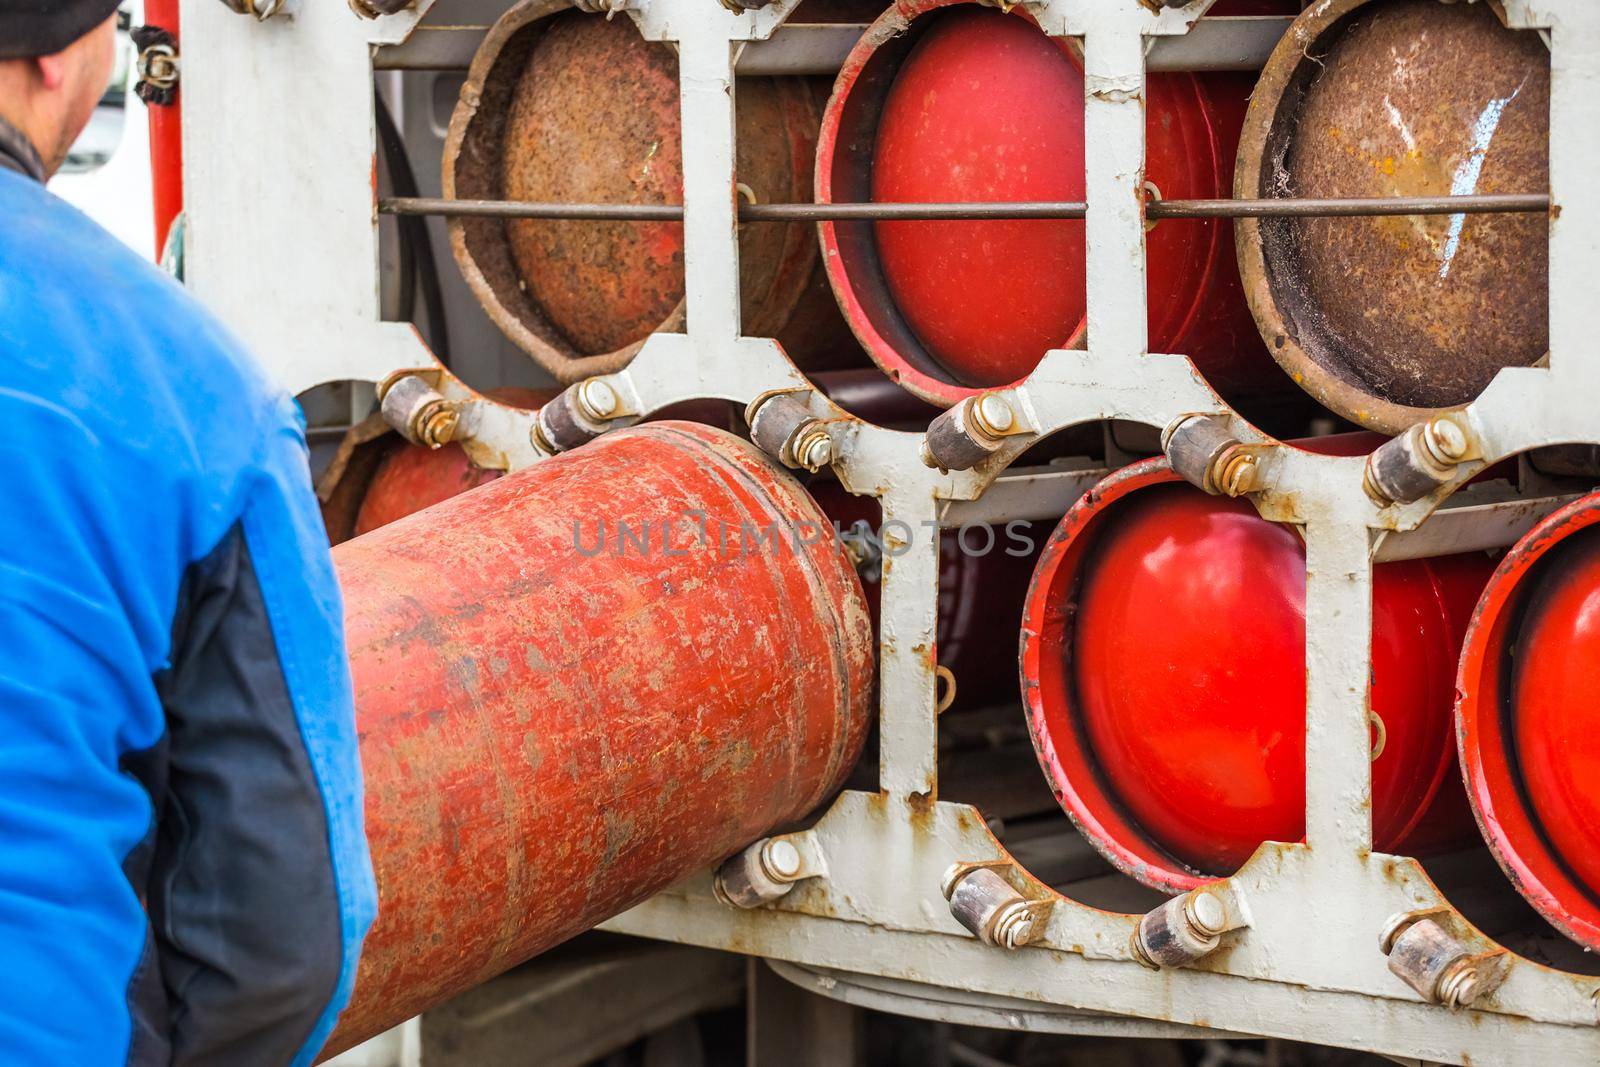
(88,325)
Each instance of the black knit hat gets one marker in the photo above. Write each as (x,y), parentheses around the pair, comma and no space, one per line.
(45,27)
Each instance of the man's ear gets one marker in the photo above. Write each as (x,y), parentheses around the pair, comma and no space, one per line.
(52,70)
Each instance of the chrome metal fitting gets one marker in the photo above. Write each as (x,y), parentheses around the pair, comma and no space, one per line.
(157,67)
(372,9)
(417,411)
(1182,930)
(1419,461)
(578,414)
(970,432)
(1441,969)
(990,907)
(782,425)
(760,874)
(1205,453)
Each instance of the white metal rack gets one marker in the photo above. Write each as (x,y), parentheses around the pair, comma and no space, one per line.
(283,242)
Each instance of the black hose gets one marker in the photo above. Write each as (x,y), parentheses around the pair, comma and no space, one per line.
(393,148)
(417,235)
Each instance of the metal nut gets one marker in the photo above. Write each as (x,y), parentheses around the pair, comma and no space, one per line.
(1445,440)
(992,415)
(1441,969)
(1206,912)
(438,427)
(989,907)
(960,438)
(1204,452)
(813,447)
(597,399)
(1181,931)
(759,875)
(781,424)
(1411,466)
(781,860)
(418,411)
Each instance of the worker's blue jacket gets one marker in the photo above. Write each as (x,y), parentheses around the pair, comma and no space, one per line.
(183,873)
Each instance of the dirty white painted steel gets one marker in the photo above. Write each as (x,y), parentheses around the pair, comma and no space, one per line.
(278,135)
(1238,43)
(278,149)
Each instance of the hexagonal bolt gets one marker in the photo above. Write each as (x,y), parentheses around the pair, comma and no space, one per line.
(1419,461)
(1205,453)
(420,414)
(760,874)
(1181,931)
(782,425)
(990,907)
(1441,969)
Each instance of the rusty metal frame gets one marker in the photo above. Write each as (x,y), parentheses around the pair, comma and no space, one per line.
(287,251)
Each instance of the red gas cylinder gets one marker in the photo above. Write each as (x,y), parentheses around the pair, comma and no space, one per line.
(580,684)
(413,477)
(944,100)
(1163,667)
(1528,721)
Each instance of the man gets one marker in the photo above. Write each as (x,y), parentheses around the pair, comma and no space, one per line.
(183,875)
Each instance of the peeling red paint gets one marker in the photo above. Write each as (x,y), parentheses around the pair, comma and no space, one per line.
(549,736)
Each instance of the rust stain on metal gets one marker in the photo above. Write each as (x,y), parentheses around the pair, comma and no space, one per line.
(562,106)
(549,736)
(1386,320)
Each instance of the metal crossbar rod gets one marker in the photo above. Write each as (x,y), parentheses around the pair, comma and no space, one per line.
(1287,207)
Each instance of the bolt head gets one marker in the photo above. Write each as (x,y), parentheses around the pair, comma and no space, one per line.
(1207,912)
(439,427)
(1014,926)
(781,859)
(1449,439)
(1239,475)
(818,452)
(995,413)
(599,399)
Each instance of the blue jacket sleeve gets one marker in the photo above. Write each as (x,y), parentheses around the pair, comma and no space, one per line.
(260,874)
(75,696)
(184,873)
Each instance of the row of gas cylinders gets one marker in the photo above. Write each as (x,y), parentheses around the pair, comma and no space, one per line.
(1162,651)
(1382,320)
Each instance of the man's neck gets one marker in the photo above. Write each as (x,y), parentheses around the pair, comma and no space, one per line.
(17,152)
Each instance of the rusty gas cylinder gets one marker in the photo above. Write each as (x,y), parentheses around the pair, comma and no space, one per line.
(1163,672)
(945,100)
(1389,320)
(412,477)
(580,684)
(566,106)
(1528,721)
